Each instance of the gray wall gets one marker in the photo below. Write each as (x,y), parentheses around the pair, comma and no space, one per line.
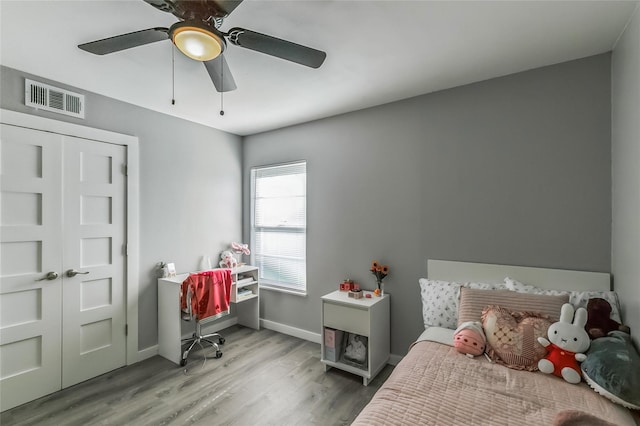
(190,185)
(625,238)
(513,170)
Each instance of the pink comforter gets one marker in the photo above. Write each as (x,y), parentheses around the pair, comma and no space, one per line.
(435,385)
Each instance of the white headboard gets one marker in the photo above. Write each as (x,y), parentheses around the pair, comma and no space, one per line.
(554,279)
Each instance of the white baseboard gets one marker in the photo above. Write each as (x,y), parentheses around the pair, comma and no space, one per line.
(270,325)
(147,353)
(209,328)
(216,326)
(395,359)
(291,331)
(308,335)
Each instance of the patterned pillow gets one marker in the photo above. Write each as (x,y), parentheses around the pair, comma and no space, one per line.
(440,300)
(514,285)
(512,337)
(473,302)
(439,303)
(578,299)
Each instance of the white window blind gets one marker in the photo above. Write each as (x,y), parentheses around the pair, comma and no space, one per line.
(278,225)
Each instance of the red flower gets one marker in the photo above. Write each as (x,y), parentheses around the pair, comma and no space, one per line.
(380,271)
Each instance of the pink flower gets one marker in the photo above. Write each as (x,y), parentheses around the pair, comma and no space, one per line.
(241,248)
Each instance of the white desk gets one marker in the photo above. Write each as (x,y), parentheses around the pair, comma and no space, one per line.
(169,320)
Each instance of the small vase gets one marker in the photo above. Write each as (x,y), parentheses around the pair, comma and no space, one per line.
(205,263)
(380,286)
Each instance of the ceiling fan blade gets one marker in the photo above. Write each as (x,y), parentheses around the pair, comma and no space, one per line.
(125,41)
(276,47)
(220,74)
(228,5)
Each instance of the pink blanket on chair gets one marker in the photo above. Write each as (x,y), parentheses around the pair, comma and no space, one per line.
(210,292)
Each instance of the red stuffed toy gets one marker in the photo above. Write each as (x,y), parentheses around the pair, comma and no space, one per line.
(600,323)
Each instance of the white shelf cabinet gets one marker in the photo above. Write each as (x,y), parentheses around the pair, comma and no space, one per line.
(366,317)
(248,304)
(169,319)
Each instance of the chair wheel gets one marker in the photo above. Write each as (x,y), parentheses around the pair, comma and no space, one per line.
(183,362)
(221,340)
(218,354)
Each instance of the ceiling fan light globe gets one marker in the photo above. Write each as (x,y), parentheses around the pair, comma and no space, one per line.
(197,43)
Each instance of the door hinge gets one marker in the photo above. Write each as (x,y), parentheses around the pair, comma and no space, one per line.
(126,329)
(125,249)
(125,170)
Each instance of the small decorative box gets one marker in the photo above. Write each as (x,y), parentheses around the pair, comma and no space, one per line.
(356,294)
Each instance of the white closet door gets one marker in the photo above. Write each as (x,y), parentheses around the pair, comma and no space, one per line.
(30,234)
(94,309)
(62,208)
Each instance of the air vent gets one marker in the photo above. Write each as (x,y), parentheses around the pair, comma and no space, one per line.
(49,98)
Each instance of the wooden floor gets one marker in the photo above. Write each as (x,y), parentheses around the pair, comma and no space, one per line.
(263,378)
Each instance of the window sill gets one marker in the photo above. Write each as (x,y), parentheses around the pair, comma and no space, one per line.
(283,290)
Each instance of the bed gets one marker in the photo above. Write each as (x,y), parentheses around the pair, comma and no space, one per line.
(436,385)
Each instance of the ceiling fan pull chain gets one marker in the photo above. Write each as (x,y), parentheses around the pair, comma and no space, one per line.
(173,76)
(222,90)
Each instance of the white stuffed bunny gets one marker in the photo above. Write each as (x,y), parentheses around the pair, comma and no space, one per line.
(566,346)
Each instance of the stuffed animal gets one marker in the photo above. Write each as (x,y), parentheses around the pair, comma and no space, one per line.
(599,322)
(356,349)
(566,345)
(228,260)
(469,339)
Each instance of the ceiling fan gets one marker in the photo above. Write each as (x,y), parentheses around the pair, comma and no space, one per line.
(197,35)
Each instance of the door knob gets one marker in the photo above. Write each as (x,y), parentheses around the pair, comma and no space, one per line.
(72,273)
(50,276)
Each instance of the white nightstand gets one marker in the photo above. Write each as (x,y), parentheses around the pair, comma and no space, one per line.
(368,317)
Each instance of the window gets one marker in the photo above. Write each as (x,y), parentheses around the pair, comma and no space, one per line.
(279,225)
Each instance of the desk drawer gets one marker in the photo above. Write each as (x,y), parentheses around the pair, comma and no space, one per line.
(346,318)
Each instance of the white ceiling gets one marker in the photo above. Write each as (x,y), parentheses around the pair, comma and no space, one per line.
(377,52)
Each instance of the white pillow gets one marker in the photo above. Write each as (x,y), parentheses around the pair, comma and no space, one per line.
(439,303)
(578,299)
(440,300)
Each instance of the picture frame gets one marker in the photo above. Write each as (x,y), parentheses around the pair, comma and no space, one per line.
(355,351)
(171,269)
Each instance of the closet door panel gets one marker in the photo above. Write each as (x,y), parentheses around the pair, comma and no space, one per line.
(30,235)
(94,220)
